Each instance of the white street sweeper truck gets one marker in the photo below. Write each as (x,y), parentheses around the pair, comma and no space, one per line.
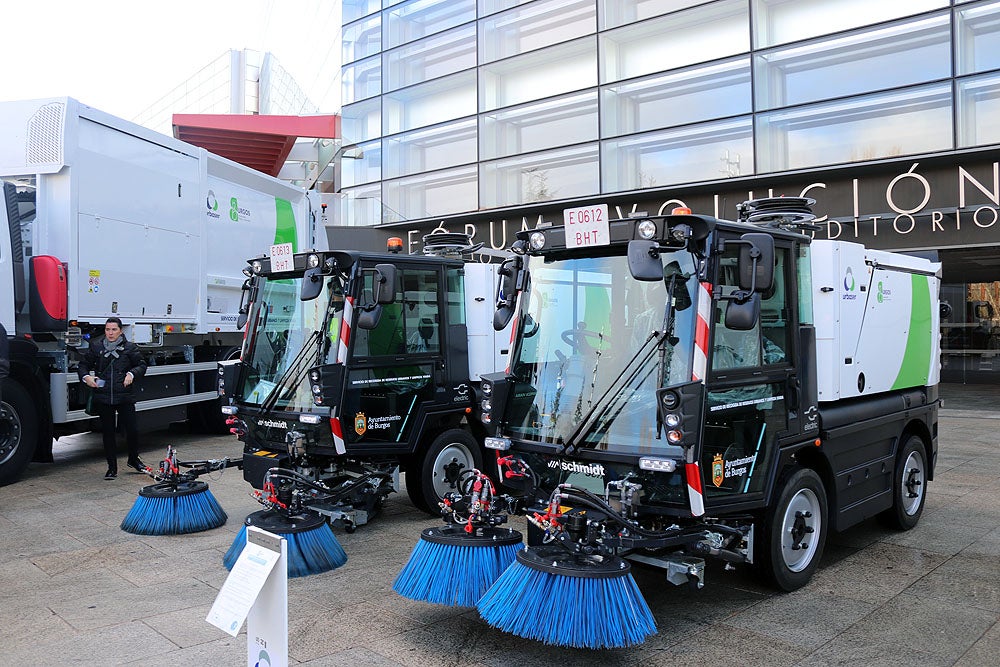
(101,217)
(683,388)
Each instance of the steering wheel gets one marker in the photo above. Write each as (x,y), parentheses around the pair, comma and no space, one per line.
(576,338)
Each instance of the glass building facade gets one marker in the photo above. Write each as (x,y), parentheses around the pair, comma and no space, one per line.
(471,105)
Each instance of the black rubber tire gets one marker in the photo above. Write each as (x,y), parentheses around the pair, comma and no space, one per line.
(909,476)
(18,431)
(787,569)
(426,482)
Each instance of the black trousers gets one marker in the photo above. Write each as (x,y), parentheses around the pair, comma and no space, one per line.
(126,414)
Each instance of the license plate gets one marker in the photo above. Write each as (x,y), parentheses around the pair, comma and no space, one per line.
(281,258)
(587,226)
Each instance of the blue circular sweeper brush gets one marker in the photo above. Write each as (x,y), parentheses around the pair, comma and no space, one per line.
(454,565)
(312,546)
(585,601)
(174,508)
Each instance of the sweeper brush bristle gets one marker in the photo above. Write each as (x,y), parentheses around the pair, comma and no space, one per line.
(236,548)
(174,508)
(565,600)
(312,546)
(451,567)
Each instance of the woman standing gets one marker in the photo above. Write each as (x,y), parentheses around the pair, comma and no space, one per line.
(110,367)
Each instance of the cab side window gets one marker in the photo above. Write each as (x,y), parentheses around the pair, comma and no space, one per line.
(768,342)
(411,324)
(420,310)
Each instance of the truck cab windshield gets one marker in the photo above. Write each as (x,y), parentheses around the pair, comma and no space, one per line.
(282,343)
(591,327)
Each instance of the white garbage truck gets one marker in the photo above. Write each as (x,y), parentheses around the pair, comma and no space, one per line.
(103,218)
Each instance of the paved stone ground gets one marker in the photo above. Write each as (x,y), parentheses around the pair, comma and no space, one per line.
(74,589)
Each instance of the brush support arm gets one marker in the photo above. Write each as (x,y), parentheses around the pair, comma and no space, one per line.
(203,467)
(288,491)
(477,503)
(594,527)
(172,470)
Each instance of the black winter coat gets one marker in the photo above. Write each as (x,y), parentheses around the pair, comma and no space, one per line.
(112,369)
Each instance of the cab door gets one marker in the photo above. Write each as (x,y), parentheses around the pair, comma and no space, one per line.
(752,384)
(391,367)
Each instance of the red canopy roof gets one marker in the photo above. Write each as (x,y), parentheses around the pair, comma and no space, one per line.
(258,142)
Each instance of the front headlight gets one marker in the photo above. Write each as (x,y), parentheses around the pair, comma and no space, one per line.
(657,464)
(647,229)
(670,400)
(500,444)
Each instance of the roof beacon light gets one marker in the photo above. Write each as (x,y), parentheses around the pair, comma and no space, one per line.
(681,210)
(394,244)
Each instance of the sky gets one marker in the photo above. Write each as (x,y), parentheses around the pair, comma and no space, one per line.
(121,57)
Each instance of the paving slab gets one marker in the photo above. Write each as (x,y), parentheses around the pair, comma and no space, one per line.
(75,589)
(909,623)
(806,618)
(724,645)
(983,652)
(112,645)
(352,657)
(970,580)
(107,608)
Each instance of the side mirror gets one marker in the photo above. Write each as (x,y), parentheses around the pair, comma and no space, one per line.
(506,296)
(945,309)
(682,299)
(385,283)
(368,319)
(644,261)
(312,284)
(501,318)
(743,315)
(756,263)
(244,311)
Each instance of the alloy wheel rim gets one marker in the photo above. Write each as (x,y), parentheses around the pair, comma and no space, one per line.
(800,530)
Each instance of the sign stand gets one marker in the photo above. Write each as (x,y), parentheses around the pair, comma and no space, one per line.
(257,591)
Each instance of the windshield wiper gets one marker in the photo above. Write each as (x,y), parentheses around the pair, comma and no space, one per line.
(642,355)
(606,400)
(293,375)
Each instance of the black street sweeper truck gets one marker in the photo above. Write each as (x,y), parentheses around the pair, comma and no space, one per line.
(357,364)
(683,388)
